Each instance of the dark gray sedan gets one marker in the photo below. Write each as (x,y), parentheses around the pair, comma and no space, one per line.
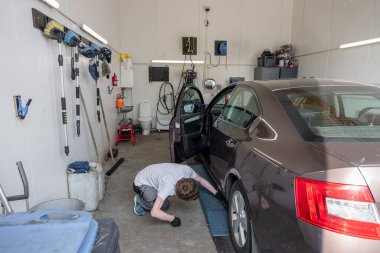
(297,160)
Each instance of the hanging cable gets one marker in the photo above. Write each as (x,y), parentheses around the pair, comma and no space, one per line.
(166,101)
(181,78)
(225,63)
(213,65)
(206,22)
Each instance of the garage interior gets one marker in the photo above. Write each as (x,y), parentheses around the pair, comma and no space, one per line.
(133,59)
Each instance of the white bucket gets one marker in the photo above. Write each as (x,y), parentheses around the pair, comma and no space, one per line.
(85,187)
(101,178)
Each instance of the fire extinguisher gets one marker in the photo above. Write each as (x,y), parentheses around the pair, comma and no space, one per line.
(114,83)
(114,80)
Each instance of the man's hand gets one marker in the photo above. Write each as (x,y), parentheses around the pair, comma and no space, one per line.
(176,222)
(221,199)
(156,211)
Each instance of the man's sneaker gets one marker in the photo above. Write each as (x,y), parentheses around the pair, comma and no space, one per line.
(138,209)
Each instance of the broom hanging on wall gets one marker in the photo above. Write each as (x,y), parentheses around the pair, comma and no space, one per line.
(55,31)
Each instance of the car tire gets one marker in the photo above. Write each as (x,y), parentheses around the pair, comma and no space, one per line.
(239,220)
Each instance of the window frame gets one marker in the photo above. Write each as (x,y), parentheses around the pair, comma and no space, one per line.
(253,92)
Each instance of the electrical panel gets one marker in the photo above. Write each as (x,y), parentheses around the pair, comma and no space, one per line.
(220,47)
(158,74)
(189,45)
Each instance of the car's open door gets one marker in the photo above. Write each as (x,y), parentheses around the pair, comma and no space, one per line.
(187,136)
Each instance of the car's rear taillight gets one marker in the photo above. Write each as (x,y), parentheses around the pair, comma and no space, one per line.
(345,209)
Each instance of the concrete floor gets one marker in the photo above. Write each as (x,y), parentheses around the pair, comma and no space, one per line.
(145,234)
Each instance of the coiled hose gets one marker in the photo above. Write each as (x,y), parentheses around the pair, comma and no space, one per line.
(165,95)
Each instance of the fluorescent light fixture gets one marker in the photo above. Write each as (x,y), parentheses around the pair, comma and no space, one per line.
(52,3)
(177,61)
(360,43)
(94,34)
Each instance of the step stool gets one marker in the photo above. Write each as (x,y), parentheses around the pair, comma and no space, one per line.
(126,133)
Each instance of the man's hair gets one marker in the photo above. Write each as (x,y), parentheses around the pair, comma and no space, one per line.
(186,189)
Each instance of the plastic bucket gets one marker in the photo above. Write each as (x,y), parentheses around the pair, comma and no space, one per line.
(85,186)
(60,204)
(101,178)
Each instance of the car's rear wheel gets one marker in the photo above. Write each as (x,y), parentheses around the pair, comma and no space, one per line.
(239,220)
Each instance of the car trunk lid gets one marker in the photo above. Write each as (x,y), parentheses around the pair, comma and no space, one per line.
(356,153)
(364,155)
(372,176)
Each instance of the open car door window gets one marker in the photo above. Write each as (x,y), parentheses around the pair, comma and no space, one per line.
(187,137)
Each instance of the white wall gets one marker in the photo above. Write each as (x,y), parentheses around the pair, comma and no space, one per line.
(320,27)
(152,29)
(28,63)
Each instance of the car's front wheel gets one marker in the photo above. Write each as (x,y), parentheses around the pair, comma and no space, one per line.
(239,220)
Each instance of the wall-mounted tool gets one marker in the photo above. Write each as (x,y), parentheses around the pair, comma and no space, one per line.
(106,70)
(220,47)
(189,45)
(114,83)
(86,51)
(72,39)
(107,53)
(95,75)
(21,111)
(190,77)
(55,31)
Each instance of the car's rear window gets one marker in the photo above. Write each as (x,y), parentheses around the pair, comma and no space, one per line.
(334,113)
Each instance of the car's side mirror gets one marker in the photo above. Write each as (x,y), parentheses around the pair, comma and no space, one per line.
(188,108)
(193,108)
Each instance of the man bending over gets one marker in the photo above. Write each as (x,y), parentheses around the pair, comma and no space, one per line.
(155,183)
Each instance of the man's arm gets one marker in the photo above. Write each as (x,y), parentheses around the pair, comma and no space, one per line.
(156,211)
(206,184)
(214,191)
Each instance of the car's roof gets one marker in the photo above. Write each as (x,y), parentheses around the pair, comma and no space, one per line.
(305,82)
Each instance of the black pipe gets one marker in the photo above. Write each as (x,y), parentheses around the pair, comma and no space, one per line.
(115,166)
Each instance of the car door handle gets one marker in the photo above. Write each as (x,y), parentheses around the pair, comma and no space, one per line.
(278,187)
(230,143)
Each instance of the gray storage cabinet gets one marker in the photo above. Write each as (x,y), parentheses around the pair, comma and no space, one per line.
(266,73)
(287,73)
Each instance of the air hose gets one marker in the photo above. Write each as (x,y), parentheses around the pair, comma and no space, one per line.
(165,95)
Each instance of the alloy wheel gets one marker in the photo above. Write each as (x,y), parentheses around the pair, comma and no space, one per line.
(239,219)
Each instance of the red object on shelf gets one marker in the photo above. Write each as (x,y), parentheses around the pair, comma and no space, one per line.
(126,133)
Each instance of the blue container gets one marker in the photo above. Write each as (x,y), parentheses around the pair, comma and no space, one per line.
(46,231)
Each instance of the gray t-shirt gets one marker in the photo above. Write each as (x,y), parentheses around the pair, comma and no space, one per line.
(163,177)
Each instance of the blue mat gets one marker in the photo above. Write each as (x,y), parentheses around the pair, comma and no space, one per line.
(216,215)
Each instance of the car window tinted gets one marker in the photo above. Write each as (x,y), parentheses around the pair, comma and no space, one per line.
(192,102)
(242,108)
(331,113)
(217,108)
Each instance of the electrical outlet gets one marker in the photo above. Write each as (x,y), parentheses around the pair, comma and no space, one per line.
(220,47)
(189,45)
